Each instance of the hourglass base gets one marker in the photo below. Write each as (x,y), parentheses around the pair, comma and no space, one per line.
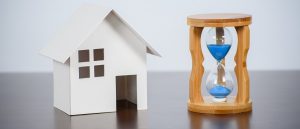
(220,108)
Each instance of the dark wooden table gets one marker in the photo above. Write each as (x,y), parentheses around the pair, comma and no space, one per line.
(26,103)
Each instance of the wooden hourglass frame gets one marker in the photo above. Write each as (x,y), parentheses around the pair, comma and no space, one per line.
(241,102)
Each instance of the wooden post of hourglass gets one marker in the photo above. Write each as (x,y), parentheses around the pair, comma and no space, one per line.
(197,102)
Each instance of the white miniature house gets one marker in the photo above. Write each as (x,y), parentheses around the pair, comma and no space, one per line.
(98,59)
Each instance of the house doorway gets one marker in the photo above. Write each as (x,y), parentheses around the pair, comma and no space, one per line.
(126,91)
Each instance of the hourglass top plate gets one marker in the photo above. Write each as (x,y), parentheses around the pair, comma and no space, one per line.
(219,20)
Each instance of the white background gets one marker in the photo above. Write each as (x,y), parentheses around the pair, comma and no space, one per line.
(26,26)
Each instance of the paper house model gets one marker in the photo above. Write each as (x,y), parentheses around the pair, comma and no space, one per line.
(98,59)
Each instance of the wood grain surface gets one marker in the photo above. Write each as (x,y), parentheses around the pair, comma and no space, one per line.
(26,102)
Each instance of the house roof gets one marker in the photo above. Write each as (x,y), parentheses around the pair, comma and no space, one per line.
(80,26)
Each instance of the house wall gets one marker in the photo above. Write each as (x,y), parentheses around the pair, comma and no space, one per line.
(131,86)
(61,79)
(124,54)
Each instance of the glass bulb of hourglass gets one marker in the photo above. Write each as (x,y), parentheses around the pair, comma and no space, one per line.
(219,83)
(218,41)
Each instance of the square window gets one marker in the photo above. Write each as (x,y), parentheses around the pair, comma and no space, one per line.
(99,70)
(83,56)
(98,54)
(84,72)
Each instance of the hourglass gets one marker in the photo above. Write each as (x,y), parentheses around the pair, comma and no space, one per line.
(219,83)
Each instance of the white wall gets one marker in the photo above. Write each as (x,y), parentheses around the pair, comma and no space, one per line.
(98,94)
(27,25)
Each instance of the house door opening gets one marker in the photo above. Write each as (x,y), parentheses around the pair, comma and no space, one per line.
(126,91)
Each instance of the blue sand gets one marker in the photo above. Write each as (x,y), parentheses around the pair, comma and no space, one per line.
(218,51)
(219,91)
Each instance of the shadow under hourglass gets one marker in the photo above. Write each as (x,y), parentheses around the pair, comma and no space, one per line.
(209,121)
